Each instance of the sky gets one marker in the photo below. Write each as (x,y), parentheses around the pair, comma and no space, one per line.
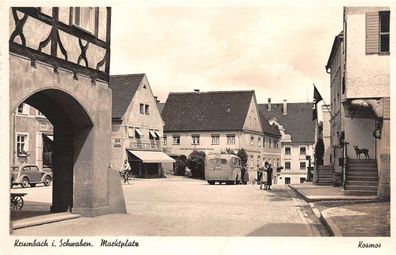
(278,51)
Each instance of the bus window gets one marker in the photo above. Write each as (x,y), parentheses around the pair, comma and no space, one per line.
(223,161)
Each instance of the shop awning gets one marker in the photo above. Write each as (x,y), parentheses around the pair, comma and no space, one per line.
(158,134)
(153,134)
(152,156)
(51,137)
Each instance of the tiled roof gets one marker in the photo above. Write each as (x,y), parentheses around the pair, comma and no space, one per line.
(297,122)
(206,111)
(124,88)
(268,128)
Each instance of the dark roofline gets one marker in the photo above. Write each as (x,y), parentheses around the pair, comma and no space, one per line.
(334,48)
(133,74)
(212,92)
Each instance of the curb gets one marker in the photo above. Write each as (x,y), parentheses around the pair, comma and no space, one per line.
(334,230)
(40,220)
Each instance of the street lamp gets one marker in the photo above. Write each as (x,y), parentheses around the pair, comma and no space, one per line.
(309,168)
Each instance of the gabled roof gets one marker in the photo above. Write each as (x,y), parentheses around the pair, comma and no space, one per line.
(206,111)
(298,121)
(336,44)
(268,128)
(124,88)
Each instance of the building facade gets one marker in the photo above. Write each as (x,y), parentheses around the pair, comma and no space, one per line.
(297,130)
(359,68)
(33,137)
(137,126)
(215,122)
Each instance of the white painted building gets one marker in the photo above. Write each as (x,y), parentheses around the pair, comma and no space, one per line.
(359,68)
(297,129)
(137,126)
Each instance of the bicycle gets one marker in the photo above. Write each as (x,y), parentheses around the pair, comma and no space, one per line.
(127,176)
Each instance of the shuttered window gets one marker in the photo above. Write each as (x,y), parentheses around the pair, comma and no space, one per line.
(372,32)
(377,32)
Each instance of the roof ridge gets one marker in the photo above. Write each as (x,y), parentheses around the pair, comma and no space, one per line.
(213,92)
(133,74)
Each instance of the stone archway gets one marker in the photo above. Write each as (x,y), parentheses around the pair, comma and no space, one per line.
(80,113)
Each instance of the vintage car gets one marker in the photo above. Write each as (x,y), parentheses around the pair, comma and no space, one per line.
(29,174)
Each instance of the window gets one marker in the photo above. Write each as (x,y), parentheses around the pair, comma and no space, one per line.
(23,109)
(130,132)
(259,142)
(384,31)
(252,140)
(85,18)
(287,151)
(195,139)
(264,142)
(287,180)
(258,161)
(303,150)
(287,165)
(215,139)
(22,144)
(152,135)
(117,142)
(251,161)
(146,109)
(377,32)
(165,140)
(141,109)
(302,179)
(176,139)
(274,143)
(230,139)
(303,165)
(138,133)
(269,143)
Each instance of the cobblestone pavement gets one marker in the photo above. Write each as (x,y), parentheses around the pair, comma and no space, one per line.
(178,206)
(358,218)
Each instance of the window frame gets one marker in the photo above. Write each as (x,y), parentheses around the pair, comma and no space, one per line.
(195,139)
(230,138)
(303,147)
(178,137)
(93,19)
(305,165)
(385,33)
(288,147)
(24,151)
(290,165)
(215,139)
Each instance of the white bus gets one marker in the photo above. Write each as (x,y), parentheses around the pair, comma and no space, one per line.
(223,168)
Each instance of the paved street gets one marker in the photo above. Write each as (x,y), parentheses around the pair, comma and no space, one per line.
(178,206)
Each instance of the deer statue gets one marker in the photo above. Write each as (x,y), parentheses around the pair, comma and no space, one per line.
(361,151)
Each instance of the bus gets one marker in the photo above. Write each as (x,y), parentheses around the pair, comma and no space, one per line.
(223,168)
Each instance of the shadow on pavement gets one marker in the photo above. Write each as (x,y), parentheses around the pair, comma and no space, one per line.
(30,209)
(279,229)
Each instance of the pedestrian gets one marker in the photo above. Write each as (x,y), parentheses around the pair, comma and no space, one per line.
(259,175)
(263,181)
(125,169)
(243,175)
(269,176)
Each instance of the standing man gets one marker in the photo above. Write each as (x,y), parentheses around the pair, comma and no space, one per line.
(269,176)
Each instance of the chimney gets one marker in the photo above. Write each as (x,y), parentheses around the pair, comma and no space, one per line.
(269,104)
(284,107)
(196,90)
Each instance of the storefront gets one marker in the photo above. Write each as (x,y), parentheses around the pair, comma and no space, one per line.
(148,164)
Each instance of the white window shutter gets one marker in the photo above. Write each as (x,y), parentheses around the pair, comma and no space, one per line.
(372,32)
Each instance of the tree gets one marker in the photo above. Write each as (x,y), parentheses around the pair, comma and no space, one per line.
(243,155)
(244,158)
(319,151)
(196,162)
(180,165)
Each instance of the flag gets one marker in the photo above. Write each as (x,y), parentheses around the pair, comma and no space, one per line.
(316,99)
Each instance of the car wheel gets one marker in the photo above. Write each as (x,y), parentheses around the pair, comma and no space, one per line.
(32,185)
(211,182)
(47,181)
(25,182)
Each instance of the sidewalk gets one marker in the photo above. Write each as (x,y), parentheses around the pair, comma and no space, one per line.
(346,215)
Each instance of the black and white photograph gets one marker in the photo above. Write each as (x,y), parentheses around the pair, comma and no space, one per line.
(200,127)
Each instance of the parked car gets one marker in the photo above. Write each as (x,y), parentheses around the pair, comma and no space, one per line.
(29,174)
